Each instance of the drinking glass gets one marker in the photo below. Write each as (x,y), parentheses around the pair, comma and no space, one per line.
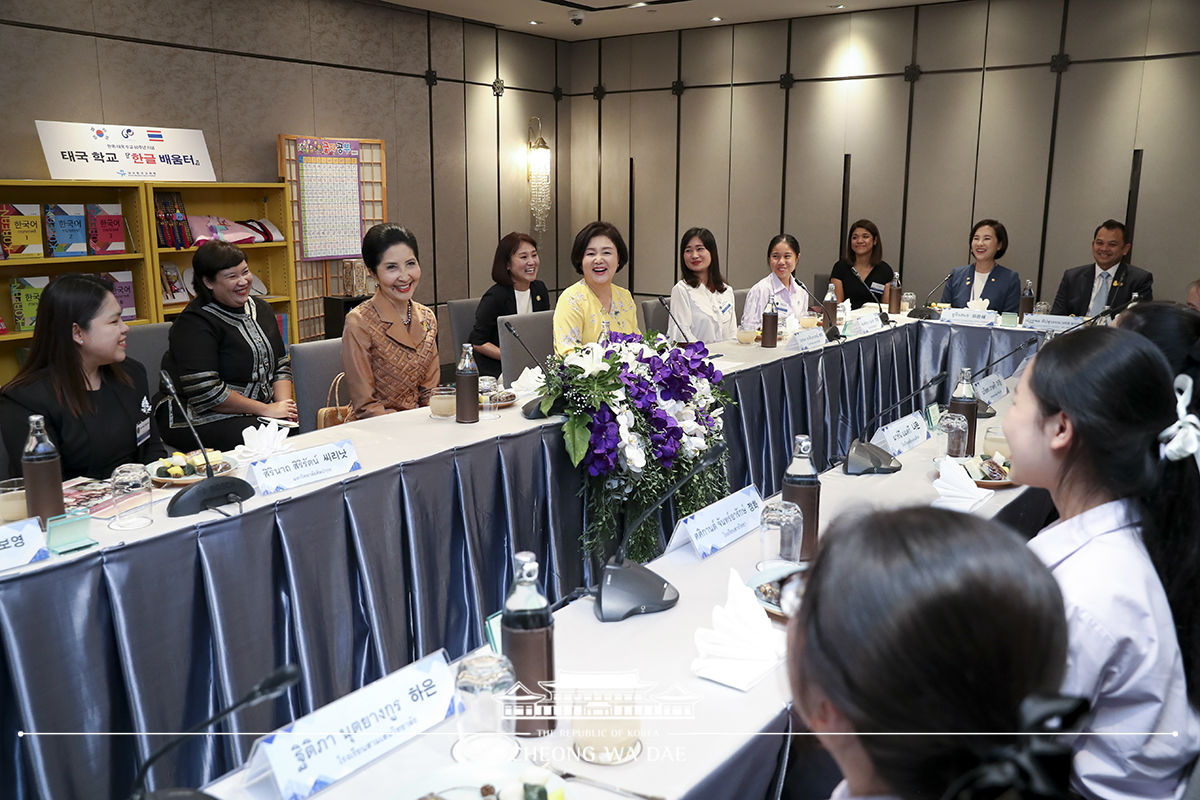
(487,406)
(605,711)
(12,500)
(132,494)
(955,428)
(482,689)
(908,301)
(780,534)
(994,441)
(747,333)
(442,403)
(1041,307)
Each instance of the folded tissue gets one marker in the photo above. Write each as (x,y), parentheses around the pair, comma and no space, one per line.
(982,304)
(529,382)
(743,644)
(262,441)
(956,490)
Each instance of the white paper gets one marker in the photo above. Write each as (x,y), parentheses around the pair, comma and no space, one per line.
(719,524)
(127,152)
(991,388)
(1052,323)
(21,543)
(807,339)
(290,470)
(902,435)
(969,316)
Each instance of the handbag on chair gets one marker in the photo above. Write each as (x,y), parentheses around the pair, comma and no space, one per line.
(334,413)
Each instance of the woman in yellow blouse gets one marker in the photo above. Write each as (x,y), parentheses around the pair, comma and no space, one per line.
(389,345)
(598,254)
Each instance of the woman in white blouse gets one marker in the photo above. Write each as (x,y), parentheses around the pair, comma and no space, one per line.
(701,303)
(783,253)
(1095,421)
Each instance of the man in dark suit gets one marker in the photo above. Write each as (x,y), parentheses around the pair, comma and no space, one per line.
(1109,282)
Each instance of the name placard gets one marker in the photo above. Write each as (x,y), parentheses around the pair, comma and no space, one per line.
(290,470)
(320,749)
(990,388)
(22,543)
(807,339)
(969,316)
(1051,323)
(88,151)
(720,524)
(902,435)
(864,324)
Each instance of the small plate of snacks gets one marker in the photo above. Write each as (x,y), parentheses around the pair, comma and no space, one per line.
(989,472)
(501,398)
(513,781)
(180,469)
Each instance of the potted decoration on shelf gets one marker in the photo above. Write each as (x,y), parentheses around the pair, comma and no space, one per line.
(640,413)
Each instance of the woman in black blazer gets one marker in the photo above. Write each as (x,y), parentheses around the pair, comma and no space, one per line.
(95,401)
(517,291)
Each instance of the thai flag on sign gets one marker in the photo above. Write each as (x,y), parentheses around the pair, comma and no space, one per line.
(154,136)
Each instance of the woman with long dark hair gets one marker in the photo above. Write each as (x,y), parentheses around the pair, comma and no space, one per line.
(1175,329)
(701,302)
(95,400)
(920,637)
(861,274)
(1096,421)
(516,290)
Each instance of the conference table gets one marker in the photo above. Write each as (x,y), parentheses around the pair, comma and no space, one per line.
(107,651)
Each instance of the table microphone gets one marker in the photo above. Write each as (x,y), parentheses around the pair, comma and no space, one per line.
(925,312)
(532,409)
(201,496)
(269,688)
(883,316)
(831,332)
(863,457)
(667,306)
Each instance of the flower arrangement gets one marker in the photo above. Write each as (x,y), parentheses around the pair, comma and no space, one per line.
(640,412)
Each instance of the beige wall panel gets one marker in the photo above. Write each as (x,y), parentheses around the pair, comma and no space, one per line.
(653,60)
(78,100)
(1169,193)
(1097,117)
(812,205)
(561,179)
(875,138)
(819,45)
(354,105)
(354,34)
(584,67)
(450,192)
(51,12)
(276,28)
(584,185)
(479,53)
(704,160)
(515,110)
(880,41)
(652,141)
(1023,31)
(942,169)
(952,35)
(408,161)
(257,101)
(411,37)
(183,22)
(562,58)
(139,85)
(707,55)
(482,190)
(446,46)
(526,61)
(754,180)
(614,63)
(1174,27)
(1107,28)
(1014,146)
(614,165)
(760,51)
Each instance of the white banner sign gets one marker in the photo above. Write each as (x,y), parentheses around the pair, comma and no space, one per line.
(96,152)
(1051,323)
(902,435)
(969,316)
(807,339)
(320,749)
(720,524)
(290,470)
(990,389)
(21,542)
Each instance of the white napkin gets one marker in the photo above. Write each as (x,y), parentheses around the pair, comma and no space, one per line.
(530,381)
(981,304)
(262,441)
(790,325)
(956,491)
(742,646)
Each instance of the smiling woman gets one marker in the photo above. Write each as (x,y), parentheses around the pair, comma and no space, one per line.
(516,291)
(94,399)
(598,254)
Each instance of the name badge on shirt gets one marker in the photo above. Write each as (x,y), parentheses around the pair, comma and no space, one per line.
(143,431)
(877,287)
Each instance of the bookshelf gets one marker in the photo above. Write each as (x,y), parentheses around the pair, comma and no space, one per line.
(137,259)
(271,262)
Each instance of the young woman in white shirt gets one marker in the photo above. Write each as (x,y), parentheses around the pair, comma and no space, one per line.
(928,624)
(1096,421)
(702,302)
(783,254)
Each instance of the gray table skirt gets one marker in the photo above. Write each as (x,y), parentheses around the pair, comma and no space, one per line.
(357,579)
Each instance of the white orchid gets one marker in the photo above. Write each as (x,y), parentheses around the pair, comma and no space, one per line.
(589,358)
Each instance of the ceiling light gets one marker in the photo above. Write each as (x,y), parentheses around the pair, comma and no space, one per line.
(637,5)
(838,6)
(715,19)
(535,22)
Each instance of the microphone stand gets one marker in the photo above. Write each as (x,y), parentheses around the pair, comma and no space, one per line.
(863,457)
(667,306)
(831,331)
(925,312)
(269,688)
(985,409)
(883,316)
(200,496)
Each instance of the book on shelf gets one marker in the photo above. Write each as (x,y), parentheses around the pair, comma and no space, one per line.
(171,221)
(21,230)
(281,318)
(122,281)
(173,289)
(105,229)
(66,229)
(26,294)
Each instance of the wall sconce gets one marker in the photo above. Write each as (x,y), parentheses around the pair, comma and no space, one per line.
(538,164)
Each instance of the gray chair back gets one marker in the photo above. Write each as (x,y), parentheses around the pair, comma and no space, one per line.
(655,315)
(462,320)
(819,285)
(314,366)
(147,343)
(739,302)
(536,331)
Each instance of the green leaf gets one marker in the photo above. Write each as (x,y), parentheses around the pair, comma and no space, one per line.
(576,436)
(547,403)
